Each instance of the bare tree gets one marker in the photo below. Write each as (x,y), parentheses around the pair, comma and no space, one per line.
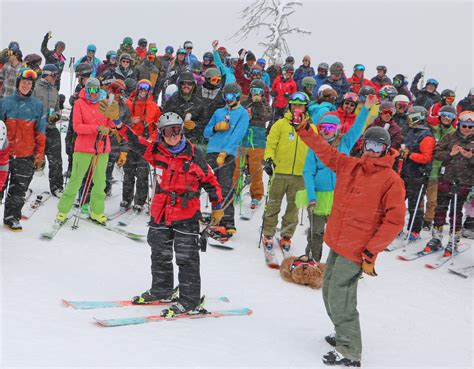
(271,15)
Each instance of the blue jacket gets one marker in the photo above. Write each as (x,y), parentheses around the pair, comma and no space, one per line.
(226,71)
(319,82)
(191,59)
(227,141)
(302,72)
(318,110)
(318,177)
(266,79)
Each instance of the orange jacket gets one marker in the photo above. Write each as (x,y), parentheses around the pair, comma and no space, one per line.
(369,200)
(149,114)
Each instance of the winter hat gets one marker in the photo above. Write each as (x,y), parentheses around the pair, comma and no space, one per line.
(125,56)
(289,60)
(33,59)
(131,84)
(127,41)
(222,51)
(60,44)
(250,56)
(91,47)
(169,50)
(49,69)
(336,68)
(92,82)
(329,118)
(308,82)
(14,46)
(307,57)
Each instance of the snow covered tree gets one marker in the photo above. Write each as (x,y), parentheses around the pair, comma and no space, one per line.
(271,15)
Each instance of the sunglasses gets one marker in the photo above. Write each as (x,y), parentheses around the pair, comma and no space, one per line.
(125,61)
(206,59)
(215,80)
(143,86)
(29,74)
(349,103)
(171,131)
(256,91)
(328,127)
(447,115)
(374,146)
(466,126)
(92,90)
(90,51)
(186,83)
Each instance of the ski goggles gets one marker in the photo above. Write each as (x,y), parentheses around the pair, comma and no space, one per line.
(432,81)
(328,127)
(449,99)
(171,131)
(215,80)
(299,98)
(384,95)
(359,67)
(207,59)
(397,82)
(256,91)
(229,97)
(90,51)
(447,115)
(466,117)
(28,74)
(386,112)
(154,50)
(402,104)
(144,86)
(415,118)
(181,51)
(374,146)
(92,90)
(256,72)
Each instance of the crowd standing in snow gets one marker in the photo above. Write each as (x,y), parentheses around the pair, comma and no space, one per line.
(222,121)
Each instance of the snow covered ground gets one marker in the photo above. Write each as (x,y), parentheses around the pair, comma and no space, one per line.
(411,317)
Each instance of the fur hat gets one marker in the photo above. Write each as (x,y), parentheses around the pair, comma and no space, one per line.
(301,271)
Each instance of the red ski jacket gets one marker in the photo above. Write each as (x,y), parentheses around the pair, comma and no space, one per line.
(356,83)
(280,87)
(179,179)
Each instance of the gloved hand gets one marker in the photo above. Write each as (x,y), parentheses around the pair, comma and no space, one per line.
(221,159)
(301,125)
(268,166)
(103,130)
(48,35)
(217,214)
(38,163)
(109,110)
(54,118)
(418,76)
(311,206)
(273,93)
(215,44)
(122,159)
(189,124)
(286,95)
(368,263)
(221,126)
(404,152)
(370,101)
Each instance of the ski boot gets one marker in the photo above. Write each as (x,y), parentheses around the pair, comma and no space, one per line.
(124,205)
(219,233)
(85,209)
(331,339)
(137,209)
(285,243)
(147,297)
(433,245)
(267,242)
(178,309)
(336,358)
(254,204)
(427,225)
(61,217)
(414,236)
(450,248)
(12,224)
(99,218)
(230,232)
(58,193)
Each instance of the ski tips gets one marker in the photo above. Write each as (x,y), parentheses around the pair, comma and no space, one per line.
(401,257)
(66,303)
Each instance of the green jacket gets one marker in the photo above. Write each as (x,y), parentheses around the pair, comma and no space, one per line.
(285,147)
(439,132)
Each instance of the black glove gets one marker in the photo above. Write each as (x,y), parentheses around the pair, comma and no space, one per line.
(418,76)
(268,166)
(287,95)
(62,100)
(273,93)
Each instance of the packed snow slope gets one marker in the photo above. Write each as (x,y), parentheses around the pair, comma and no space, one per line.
(411,317)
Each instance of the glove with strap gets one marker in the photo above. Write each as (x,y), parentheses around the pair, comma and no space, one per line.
(54,118)
(368,263)
(221,126)
(217,214)
(268,166)
(220,160)
(189,125)
(109,110)
(122,159)
(103,130)
(418,76)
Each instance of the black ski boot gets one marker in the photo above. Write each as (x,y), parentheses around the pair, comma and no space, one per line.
(427,225)
(335,358)
(433,245)
(124,205)
(331,339)
(449,250)
(178,308)
(148,297)
(13,224)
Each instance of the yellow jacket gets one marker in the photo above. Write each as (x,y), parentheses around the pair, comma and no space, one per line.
(286,148)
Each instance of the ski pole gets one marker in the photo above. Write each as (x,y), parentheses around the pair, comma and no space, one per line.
(453,235)
(265,209)
(414,213)
(302,215)
(71,71)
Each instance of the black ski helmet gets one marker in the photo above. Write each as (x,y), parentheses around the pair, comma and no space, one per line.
(208,57)
(380,135)
(447,93)
(142,42)
(232,88)
(257,83)
(186,77)
(84,70)
(366,90)
(417,115)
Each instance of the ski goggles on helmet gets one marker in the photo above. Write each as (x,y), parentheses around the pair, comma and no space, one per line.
(374,146)
(171,131)
(449,99)
(92,90)
(181,51)
(28,74)
(153,50)
(415,118)
(397,82)
(215,80)
(328,127)
(143,86)
(447,115)
(256,91)
(168,50)
(90,51)
(432,81)
(350,96)
(230,97)
(359,67)
(386,112)
(299,98)
(256,72)
(207,58)
(402,104)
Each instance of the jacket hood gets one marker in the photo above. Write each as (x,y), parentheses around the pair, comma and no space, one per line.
(102,96)
(374,165)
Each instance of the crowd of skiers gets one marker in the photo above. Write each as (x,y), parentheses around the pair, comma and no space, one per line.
(222,121)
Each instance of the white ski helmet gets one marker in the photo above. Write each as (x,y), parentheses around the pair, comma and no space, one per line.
(3,135)
(401,98)
(322,88)
(170,91)
(169,119)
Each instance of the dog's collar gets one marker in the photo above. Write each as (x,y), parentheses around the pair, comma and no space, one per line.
(297,263)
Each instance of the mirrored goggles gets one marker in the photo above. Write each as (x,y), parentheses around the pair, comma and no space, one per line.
(92,90)
(171,131)
(447,115)
(374,146)
(328,127)
(256,91)
(143,86)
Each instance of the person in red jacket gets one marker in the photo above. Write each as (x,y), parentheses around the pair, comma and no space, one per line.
(367,214)
(141,49)
(447,98)
(282,88)
(357,80)
(4,154)
(181,172)
(144,113)
(91,152)
(346,112)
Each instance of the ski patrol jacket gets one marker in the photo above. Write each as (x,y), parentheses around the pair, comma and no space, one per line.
(282,87)
(285,147)
(86,119)
(179,179)
(227,141)
(26,125)
(369,200)
(148,112)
